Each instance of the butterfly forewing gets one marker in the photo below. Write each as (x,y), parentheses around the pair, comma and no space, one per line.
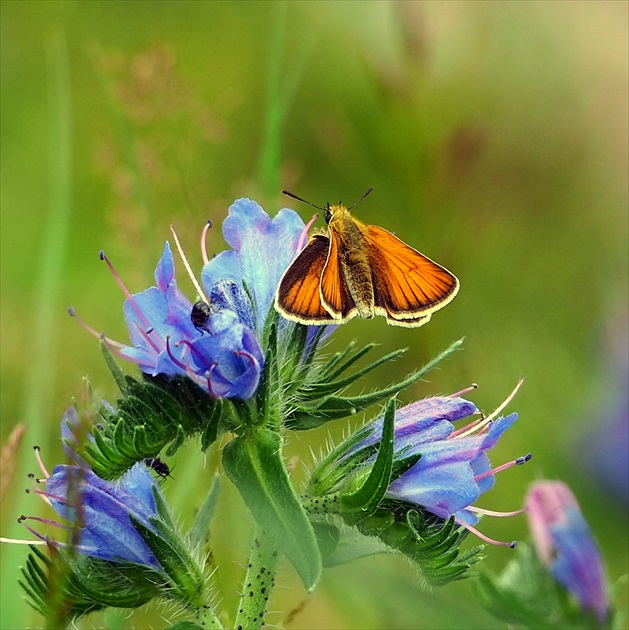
(298,296)
(335,294)
(408,286)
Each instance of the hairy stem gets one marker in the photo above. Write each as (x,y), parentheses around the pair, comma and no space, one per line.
(259,582)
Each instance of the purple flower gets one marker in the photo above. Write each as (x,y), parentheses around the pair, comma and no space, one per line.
(224,358)
(245,278)
(104,509)
(454,469)
(565,545)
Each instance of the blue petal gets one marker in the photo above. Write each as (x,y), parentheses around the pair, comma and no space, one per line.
(263,249)
(165,270)
(496,429)
(578,565)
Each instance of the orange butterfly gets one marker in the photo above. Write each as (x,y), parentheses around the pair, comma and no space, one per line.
(361,270)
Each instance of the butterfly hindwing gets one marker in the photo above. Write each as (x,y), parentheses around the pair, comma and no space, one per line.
(298,295)
(408,286)
(335,294)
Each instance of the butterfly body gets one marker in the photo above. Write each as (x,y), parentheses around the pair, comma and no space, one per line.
(362,270)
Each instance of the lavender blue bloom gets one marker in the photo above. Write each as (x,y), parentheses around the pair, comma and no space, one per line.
(565,545)
(106,530)
(246,277)
(454,469)
(226,360)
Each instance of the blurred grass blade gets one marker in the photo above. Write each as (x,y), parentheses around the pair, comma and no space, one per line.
(41,380)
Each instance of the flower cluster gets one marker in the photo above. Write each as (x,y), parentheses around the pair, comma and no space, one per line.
(218,344)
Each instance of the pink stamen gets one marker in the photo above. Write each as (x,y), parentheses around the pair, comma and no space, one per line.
(146,334)
(240,353)
(121,355)
(40,462)
(467,390)
(126,292)
(486,539)
(173,358)
(304,233)
(206,229)
(208,376)
(48,496)
(90,330)
(464,429)
(472,508)
(33,531)
(46,521)
(516,462)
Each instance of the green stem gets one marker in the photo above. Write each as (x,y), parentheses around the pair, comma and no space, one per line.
(258,584)
(207,618)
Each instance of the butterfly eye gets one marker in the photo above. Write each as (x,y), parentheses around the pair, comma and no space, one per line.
(328,215)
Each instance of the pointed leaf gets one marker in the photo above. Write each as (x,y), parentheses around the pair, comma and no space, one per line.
(366,499)
(201,526)
(254,464)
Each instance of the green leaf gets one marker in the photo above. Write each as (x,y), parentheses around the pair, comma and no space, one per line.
(254,464)
(201,526)
(366,499)
(353,545)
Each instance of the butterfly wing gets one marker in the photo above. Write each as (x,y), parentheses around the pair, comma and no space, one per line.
(408,286)
(335,294)
(298,297)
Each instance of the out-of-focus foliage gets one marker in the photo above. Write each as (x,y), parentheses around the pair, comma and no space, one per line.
(495,135)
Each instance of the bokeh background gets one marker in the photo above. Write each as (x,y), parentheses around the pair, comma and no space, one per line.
(495,134)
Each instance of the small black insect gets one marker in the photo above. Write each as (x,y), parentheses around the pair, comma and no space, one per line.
(199,316)
(160,467)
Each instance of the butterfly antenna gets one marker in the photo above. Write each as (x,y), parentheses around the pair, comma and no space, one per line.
(365,195)
(290,194)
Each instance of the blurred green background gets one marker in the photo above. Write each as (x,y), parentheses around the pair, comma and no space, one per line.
(495,134)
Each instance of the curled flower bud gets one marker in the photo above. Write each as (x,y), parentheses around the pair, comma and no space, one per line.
(565,545)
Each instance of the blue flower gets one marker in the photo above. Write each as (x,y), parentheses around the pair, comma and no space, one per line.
(454,469)
(104,511)
(224,358)
(565,545)
(245,278)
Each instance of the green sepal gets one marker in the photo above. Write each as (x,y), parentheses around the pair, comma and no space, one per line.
(83,584)
(116,371)
(363,501)
(325,387)
(339,364)
(525,594)
(185,575)
(155,413)
(311,411)
(432,543)
(254,464)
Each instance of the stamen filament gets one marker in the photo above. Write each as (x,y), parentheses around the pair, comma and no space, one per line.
(17,541)
(494,471)
(147,336)
(491,541)
(467,390)
(126,292)
(304,234)
(473,508)
(466,429)
(206,229)
(40,462)
(186,264)
(91,330)
(495,414)
(46,521)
